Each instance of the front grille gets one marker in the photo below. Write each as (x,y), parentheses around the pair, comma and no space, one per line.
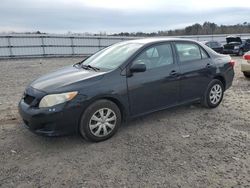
(32,97)
(28,99)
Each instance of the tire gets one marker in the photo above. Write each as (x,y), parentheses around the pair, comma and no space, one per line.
(214,94)
(241,52)
(246,74)
(100,121)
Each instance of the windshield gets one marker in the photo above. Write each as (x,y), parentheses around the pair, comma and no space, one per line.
(113,56)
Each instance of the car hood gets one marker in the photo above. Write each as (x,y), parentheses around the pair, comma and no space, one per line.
(231,39)
(63,77)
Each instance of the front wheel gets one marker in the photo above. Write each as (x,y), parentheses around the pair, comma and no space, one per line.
(100,121)
(214,94)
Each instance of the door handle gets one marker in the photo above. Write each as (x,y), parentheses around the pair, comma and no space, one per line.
(174,73)
(208,66)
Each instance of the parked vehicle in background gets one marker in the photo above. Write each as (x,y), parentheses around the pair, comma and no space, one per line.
(236,46)
(125,80)
(245,67)
(215,45)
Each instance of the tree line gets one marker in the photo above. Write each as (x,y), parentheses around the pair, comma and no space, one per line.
(207,28)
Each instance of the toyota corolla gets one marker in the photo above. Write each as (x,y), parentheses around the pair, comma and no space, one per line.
(123,81)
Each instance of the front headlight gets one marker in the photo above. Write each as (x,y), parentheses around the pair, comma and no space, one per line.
(236,47)
(54,99)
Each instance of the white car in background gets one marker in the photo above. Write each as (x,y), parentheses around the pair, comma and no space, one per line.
(245,67)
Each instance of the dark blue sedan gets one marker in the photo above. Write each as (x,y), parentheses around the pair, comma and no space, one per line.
(122,81)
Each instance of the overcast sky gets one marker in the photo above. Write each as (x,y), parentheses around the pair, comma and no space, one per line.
(61,16)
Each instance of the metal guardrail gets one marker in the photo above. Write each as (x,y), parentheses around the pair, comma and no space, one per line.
(33,45)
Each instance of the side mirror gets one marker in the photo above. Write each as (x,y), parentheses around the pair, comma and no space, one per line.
(141,67)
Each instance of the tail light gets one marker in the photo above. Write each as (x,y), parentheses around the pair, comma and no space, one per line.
(232,62)
(247,57)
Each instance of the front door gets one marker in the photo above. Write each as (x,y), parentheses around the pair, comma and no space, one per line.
(157,87)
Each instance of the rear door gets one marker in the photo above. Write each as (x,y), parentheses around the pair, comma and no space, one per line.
(195,68)
(157,87)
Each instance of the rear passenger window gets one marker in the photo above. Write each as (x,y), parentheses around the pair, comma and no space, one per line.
(188,52)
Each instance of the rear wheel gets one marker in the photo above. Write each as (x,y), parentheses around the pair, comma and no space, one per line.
(100,121)
(214,94)
(246,74)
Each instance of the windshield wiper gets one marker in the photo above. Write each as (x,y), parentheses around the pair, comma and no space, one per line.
(80,62)
(77,64)
(90,67)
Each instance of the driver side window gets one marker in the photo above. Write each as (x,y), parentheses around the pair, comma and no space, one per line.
(156,56)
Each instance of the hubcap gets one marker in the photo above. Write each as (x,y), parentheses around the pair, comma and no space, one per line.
(102,122)
(215,94)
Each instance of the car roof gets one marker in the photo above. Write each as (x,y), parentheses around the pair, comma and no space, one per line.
(213,41)
(209,41)
(157,39)
(149,41)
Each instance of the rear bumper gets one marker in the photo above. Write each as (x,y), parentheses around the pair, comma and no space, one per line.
(229,76)
(55,121)
(245,67)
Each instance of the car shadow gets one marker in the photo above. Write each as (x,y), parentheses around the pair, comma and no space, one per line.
(75,140)
(158,115)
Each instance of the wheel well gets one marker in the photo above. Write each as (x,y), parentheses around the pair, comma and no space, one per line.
(119,104)
(222,80)
(116,101)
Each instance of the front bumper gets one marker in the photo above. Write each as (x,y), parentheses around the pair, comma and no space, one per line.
(60,120)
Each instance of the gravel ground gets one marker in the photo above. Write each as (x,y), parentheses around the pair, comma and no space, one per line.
(188,146)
